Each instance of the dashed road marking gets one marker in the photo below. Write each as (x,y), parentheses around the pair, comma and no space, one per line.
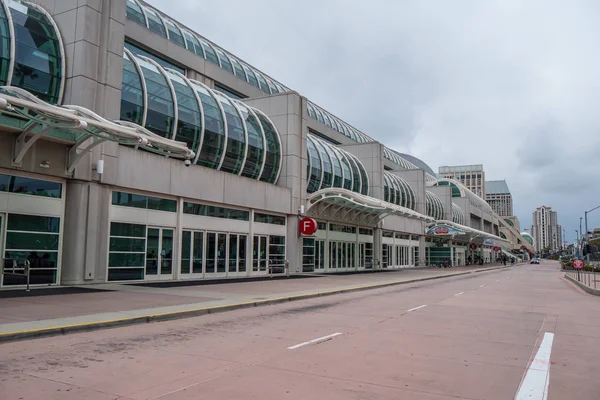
(458,294)
(537,377)
(482,285)
(416,308)
(317,340)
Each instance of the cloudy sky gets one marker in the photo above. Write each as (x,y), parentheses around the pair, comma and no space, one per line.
(513,85)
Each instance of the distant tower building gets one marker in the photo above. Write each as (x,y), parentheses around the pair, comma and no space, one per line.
(546,230)
(472,176)
(499,198)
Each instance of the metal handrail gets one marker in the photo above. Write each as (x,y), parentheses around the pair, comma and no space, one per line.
(26,269)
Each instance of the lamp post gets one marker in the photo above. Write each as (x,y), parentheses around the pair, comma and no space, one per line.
(577,251)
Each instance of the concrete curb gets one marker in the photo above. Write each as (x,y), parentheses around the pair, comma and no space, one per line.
(97,325)
(587,289)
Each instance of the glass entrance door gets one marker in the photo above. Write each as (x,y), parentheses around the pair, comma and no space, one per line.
(259,254)
(159,253)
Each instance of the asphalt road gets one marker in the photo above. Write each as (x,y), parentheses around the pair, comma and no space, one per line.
(514,333)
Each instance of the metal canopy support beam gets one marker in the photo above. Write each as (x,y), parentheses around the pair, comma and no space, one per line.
(75,156)
(22,145)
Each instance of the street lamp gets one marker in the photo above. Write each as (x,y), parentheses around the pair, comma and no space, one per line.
(577,254)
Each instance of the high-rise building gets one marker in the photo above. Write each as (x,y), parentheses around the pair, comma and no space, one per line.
(472,176)
(499,198)
(547,233)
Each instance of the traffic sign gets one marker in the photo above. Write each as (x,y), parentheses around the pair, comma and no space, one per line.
(473,246)
(496,249)
(578,264)
(308,226)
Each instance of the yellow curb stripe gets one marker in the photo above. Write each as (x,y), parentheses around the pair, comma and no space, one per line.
(233,305)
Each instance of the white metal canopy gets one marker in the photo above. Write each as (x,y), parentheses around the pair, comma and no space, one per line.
(35,118)
(345,205)
(466,233)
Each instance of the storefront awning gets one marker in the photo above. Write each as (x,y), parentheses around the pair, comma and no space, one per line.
(451,230)
(21,111)
(345,205)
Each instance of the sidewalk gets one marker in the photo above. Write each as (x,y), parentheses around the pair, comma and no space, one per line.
(101,306)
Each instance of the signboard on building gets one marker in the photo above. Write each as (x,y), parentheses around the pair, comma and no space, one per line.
(488,241)
(496,249)
(473,246)
(308,226)
(443,230)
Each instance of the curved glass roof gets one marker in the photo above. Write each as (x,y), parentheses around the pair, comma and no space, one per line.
(458,215)
(509,222)
(460,190)
(397,191)
(527,236)
(435,207)
(324,117)
(223,133)
(32,55)
(331,167)
(158,23)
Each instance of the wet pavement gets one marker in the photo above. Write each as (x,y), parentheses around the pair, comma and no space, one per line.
(473,336)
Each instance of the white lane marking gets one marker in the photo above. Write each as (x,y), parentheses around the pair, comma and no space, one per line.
(317,340)
(508,277)
(482,285)
(458,294)
(498,281)
(416,308)
(537,377)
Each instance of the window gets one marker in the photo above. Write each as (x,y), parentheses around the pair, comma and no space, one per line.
(322,225)
(365,231)
(269,219)
(229,92)
(37,58)
(215,212)
(36,239)
(277,253)
(142,201)
(308,255)
(127,252)
(30,186)
(342,228)
(161,61)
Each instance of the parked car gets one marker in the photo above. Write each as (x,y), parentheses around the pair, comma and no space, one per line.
(535,261)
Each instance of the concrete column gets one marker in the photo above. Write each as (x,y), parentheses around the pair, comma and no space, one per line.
(452,252)
(377,260)
(294,245)
(86,232)
(422,257)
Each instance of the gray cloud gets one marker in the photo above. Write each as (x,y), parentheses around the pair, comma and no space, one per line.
(506,83)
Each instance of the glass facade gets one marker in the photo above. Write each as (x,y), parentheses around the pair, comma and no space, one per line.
(160,109)
(269,219)
(159,60)
(458,215)
(189,115)
(224,133)
(30,186)
(34,238)
(127,251)
(235,150)
(317,113)
(435,207)
(161,25)
(397,191)
(329,166)
(39,54)
(256,142)
(215,211)
(142,201)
